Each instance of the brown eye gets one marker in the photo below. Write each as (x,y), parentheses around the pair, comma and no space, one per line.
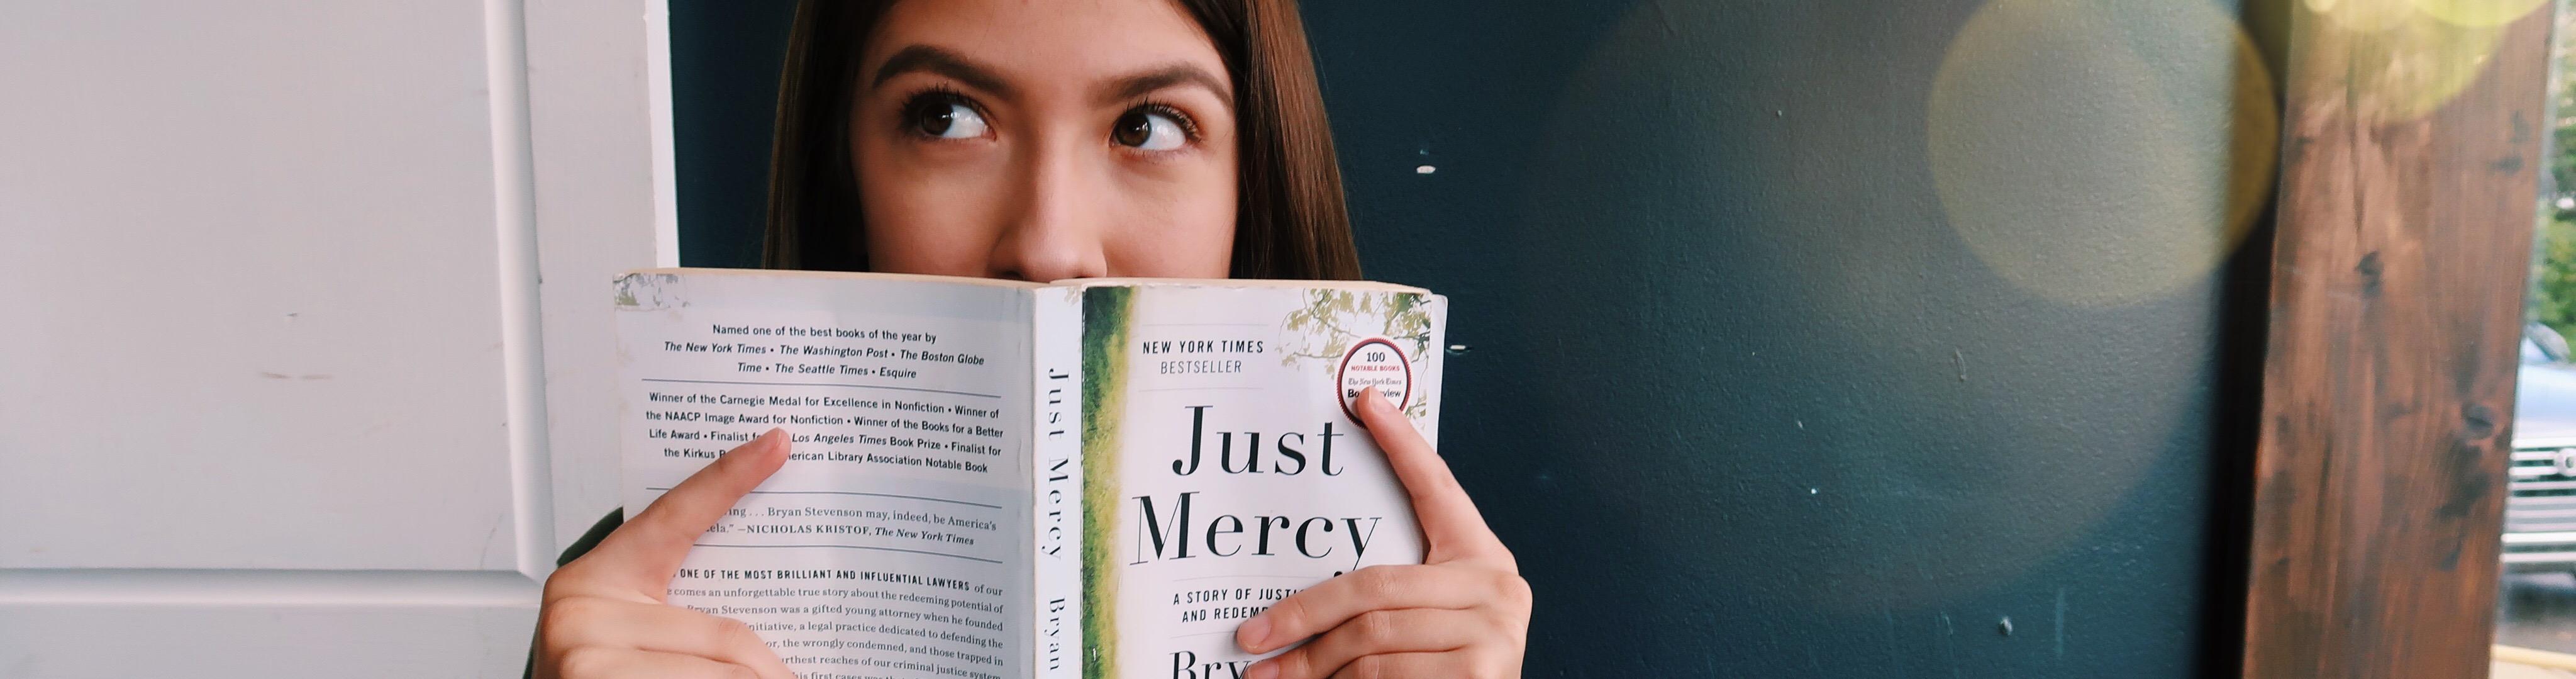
(944,116)
(1148,129)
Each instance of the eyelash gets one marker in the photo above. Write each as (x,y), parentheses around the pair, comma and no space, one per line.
(934,94)
(1189,125)
(942,94)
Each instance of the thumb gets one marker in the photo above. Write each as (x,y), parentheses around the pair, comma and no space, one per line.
(1450,522)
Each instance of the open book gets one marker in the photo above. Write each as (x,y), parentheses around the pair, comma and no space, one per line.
(1090,478)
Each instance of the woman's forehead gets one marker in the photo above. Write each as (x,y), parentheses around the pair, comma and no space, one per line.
(1039,44)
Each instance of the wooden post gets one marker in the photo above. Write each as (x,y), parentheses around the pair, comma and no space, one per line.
(2405,224)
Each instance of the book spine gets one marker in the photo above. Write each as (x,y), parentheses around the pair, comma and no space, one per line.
(1056,343)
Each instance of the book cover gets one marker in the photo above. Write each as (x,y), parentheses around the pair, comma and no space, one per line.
(1226,469)
(1094,478)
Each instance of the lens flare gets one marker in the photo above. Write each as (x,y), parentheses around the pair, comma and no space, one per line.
(2479,13)
(2363,16)
(2407,71)
(2050,113)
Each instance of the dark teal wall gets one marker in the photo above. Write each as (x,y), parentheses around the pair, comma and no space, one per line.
(1746,399)
(724,80)
(1790,356)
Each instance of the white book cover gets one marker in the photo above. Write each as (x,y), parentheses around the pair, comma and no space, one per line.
(1094,478)
(1226,469)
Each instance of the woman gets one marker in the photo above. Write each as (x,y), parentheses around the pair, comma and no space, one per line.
(1042,140)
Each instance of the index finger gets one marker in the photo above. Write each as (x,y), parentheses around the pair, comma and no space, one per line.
(1450,522)
(646,552)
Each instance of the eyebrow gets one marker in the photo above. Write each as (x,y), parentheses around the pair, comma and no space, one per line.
(1170,75)
(943,62)
(925,58)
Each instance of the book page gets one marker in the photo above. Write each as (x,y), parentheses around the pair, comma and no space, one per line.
(1225,472)
(894,542)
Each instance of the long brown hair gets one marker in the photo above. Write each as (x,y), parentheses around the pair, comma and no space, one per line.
(1290,221)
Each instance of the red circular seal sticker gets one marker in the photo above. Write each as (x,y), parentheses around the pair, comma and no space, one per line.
(1374,363)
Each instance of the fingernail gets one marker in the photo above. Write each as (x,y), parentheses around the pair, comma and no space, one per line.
(1267,669)
(775,436)
(1253,631)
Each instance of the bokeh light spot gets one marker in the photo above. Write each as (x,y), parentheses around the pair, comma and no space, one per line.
(2052,113)
(2406,71)
(2479,13)
(2363,16)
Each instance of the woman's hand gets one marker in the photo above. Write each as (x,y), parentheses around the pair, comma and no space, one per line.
(603,614)
(1463,613)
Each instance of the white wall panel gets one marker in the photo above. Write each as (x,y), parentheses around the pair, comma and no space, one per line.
(253,279)
(333,641)
(303,345)
(594,171)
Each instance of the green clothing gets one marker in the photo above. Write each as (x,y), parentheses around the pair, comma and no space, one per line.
(589,540)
